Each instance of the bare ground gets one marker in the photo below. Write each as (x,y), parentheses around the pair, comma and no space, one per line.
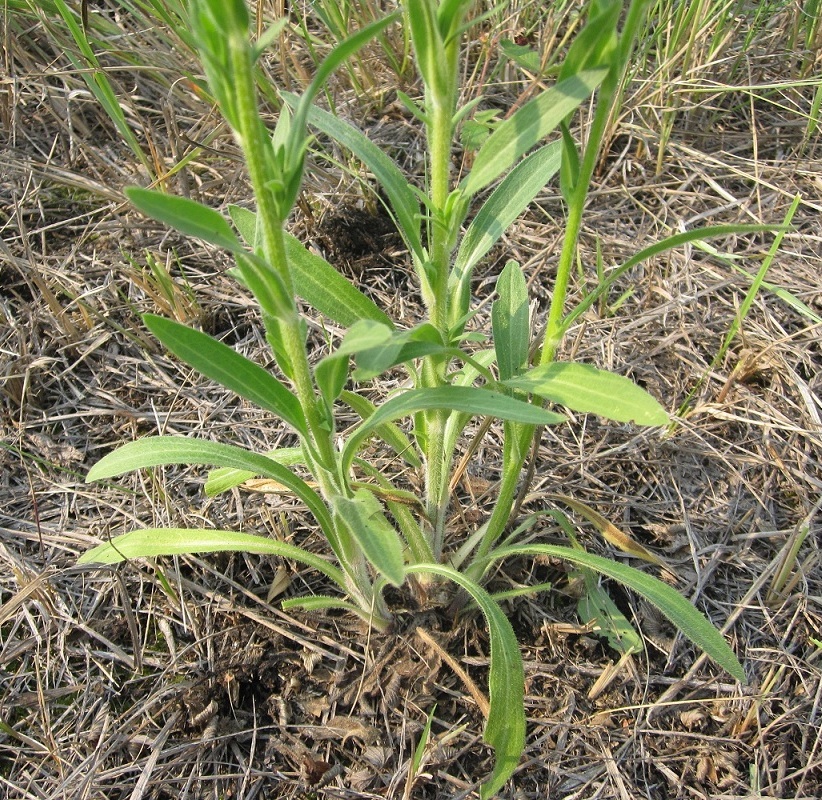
(185,679)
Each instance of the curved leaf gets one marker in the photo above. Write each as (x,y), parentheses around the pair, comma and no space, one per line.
(219,362)
(513,195)
(468,399)
(155,451)
(505,728)
(403,201)
(589,390)
(154,542)
(694,625)
(528,126)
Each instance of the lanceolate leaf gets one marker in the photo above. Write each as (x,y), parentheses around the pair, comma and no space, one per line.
(324,288)
(154,451)
(528,126)
(519,187)
(673,605)
(219,362)
(505,728)
(469,399)
(510,321)
(186,216)
(589,390)
(154,542)
(365,520)
(315,280)
(403,201)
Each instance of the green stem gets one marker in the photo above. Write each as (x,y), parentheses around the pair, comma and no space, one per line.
(607,98)
(441,107)
(318,443)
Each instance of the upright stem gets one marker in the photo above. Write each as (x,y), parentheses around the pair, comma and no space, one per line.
(440,107)
(605,105)
(318,441)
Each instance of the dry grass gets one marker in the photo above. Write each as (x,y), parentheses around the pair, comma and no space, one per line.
(184,679)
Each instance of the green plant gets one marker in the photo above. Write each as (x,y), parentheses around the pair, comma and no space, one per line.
(381,535)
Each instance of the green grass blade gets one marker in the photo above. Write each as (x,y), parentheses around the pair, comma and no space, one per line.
(155,542)
(588,390)
(505,728)
(669,243)
(528,126)
(694,625)
(219,362)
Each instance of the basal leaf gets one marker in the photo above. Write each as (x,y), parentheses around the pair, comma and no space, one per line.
(694,625)
(505,727)
(589,390)
(155,451)
(154,542)
(219,362)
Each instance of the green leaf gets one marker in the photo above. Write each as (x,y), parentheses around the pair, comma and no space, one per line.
(589,390)
(524,57)
(505,728)
(569,172)
(364,518)
(596,607)
(694,625)
(505,204)
(219,362)
(324,288)
(376,349)
(467,399)
(391,434)
(510,320)
(315,280)
(596,44)
(155,451)
(398,190)
(528,126)
(222,479)
(245,221)
(186,216)
(154,542)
